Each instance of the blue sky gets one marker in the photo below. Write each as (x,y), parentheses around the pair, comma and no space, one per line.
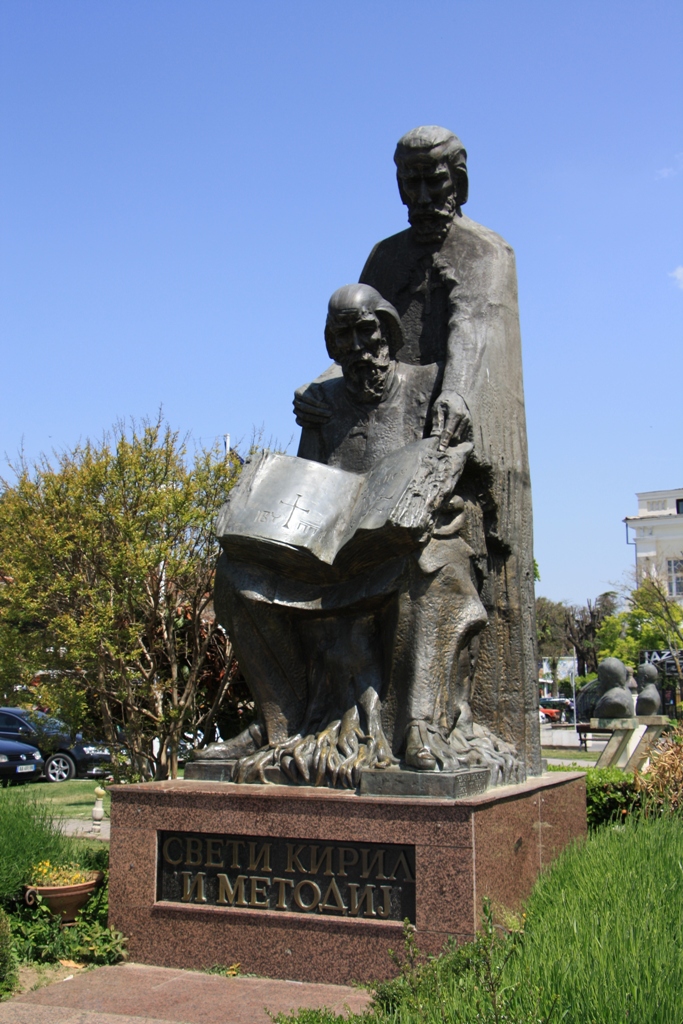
(185,183)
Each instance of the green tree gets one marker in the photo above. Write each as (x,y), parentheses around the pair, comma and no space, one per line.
(107,561)
(583,623)
(651,621)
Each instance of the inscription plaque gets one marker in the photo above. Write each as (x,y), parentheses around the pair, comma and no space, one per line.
(359,880)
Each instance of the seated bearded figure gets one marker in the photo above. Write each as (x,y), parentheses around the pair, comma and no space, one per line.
(358,673)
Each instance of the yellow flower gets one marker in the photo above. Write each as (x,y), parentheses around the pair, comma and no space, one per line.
(45,873)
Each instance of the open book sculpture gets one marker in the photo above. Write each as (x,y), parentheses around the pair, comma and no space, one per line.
(325,524)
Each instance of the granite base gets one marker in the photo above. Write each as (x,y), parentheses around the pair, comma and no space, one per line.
(493,844)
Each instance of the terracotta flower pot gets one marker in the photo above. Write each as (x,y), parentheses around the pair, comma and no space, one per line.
(64,900)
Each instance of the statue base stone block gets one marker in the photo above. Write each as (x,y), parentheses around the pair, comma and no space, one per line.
(373,782)
(399,782)
(314,884)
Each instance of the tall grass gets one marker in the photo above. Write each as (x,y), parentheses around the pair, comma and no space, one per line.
(602,943)
(605,927)
(28,834)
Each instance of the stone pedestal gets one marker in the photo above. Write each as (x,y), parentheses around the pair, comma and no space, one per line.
(312,884)
(396,782)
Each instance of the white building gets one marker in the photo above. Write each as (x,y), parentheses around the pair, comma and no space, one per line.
(657,532)
(565,667)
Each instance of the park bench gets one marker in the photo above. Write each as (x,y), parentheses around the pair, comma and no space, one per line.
(584,729)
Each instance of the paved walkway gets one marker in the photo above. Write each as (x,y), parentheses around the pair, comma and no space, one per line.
(581,762)
(137,994)
(82,827)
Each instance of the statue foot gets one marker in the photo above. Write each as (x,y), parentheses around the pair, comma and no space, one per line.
(418,753)
(334,755)
(428,749)
(248,742)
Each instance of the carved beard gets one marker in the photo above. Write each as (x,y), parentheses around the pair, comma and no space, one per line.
(365,376)
(431,223)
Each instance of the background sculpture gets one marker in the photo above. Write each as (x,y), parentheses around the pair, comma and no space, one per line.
(610,696)
(615,700)
(649,700)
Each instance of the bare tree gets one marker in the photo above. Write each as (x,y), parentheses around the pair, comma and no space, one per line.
(551,634)
(582,623)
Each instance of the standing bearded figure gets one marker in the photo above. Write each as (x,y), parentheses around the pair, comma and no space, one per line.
(453,283)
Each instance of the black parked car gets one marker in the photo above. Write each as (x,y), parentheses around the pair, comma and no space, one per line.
(19,762)
(64,759)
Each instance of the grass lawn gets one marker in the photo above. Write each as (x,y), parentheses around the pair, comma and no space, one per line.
(72,799)
(571,753)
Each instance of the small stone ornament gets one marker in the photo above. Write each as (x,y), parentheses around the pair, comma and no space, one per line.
(98,810)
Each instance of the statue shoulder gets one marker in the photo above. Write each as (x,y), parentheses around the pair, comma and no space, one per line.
(426,376)
(333,388)
(384,257)
(481,237)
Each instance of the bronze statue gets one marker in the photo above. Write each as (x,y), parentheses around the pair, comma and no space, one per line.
(379,587)
(453,283)
(354,661)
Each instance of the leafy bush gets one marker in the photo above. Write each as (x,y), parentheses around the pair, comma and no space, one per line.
(7,959)
(611,793)
(93,855)
(37,936)
(28,835)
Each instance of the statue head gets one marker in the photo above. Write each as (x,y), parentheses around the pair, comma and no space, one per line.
(431,168)
(646,675)
(363,334)
(611,672)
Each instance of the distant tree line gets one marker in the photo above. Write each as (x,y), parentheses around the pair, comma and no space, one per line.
(649,620)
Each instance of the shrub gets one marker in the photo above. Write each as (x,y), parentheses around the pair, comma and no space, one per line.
(662,784)
(28,835)
(29,839)
(37,936)
(92,855)
(611,793)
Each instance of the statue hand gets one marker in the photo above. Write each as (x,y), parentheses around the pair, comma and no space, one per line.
(450,419)
(310,407)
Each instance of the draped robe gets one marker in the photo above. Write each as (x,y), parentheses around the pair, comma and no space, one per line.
(458,303)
